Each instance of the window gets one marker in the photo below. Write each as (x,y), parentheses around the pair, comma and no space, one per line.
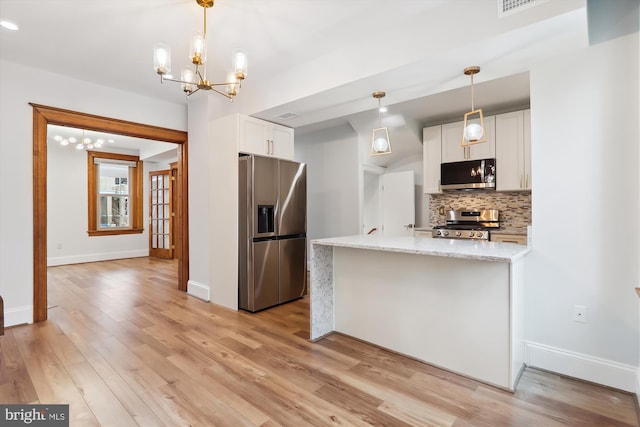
(115,194)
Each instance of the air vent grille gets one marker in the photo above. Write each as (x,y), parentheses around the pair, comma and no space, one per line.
(509,7)
(286,116)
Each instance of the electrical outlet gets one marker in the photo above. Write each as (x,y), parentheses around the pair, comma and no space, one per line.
(580,313)
(59,246)
(441,210)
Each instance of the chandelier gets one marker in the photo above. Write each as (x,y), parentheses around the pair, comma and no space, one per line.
(194,79)
(83,143)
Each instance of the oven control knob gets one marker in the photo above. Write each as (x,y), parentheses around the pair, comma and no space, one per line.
(479,233)
(445,233)
(458,234)
(472,233)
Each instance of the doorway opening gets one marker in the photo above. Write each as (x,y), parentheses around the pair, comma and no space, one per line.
(43,116)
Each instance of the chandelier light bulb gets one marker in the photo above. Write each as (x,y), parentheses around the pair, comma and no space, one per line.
(57,138)
(161,59)
(188,77)
(73,139)
(64,142)
(232,86)
(240,64)
(79,147)
(198,51)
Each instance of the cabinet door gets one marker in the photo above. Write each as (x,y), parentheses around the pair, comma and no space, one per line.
(451,139)
(431,156)
(527,149)
(254,136)
(510,151)
(485,150)
(281,141)
(509,238)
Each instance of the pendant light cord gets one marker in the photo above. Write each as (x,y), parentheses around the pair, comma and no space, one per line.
(472,103)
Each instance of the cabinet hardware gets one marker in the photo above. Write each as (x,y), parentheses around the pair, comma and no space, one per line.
(527,182)
(520,180)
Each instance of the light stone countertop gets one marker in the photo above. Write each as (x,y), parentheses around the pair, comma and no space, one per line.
(453,248)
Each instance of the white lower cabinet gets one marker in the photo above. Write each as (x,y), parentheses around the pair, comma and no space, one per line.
(509,238)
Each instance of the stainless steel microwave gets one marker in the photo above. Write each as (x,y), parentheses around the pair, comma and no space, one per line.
(468,175)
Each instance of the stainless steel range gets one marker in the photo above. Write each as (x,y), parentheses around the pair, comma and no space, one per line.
(473,225)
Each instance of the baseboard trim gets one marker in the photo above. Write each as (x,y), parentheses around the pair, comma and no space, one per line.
(107,256)
(638,389)
(582,366)
(18,315)
(198,290)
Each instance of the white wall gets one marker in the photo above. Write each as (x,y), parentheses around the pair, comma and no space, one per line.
(67,238)
(332,181)
(20,85)
(585,137)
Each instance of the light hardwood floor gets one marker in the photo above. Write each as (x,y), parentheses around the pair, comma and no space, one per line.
(123,347)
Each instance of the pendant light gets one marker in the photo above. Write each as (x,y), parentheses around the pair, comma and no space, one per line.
(473,132)
(380,142)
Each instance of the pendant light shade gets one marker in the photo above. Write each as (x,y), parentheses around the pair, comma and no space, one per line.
(473,121)
(380,142)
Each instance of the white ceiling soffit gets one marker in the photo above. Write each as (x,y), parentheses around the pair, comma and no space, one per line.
(500,57)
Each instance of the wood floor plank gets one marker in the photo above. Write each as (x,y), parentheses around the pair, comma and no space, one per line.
(123,347)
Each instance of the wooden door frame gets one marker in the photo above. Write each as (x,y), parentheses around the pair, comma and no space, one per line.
(43,116)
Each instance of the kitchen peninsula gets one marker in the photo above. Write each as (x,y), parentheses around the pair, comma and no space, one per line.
(455,304)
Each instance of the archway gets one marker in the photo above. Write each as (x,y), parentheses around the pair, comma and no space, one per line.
(43,116)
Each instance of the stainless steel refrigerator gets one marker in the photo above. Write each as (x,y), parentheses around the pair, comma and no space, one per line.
(272,231)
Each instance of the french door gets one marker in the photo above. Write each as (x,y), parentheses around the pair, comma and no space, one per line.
(160,214)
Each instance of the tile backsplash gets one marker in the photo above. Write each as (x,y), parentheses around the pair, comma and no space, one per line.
(514,207)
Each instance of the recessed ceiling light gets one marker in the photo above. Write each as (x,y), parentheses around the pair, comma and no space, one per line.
(9,25)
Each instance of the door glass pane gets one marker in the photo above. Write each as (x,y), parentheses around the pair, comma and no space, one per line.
(166,241)
(166,211)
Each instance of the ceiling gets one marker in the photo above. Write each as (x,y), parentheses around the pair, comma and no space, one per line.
(147,150)
(320,60)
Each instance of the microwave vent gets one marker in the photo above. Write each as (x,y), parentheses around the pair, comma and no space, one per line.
(509,7)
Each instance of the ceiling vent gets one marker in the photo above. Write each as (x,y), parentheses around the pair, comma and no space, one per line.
(509,7)
(287,116)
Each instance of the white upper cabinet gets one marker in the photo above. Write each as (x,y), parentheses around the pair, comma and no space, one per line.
(452,138)
(513,151)
(264,138)
(432,157)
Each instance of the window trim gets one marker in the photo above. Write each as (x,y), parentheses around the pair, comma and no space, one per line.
(136,190)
